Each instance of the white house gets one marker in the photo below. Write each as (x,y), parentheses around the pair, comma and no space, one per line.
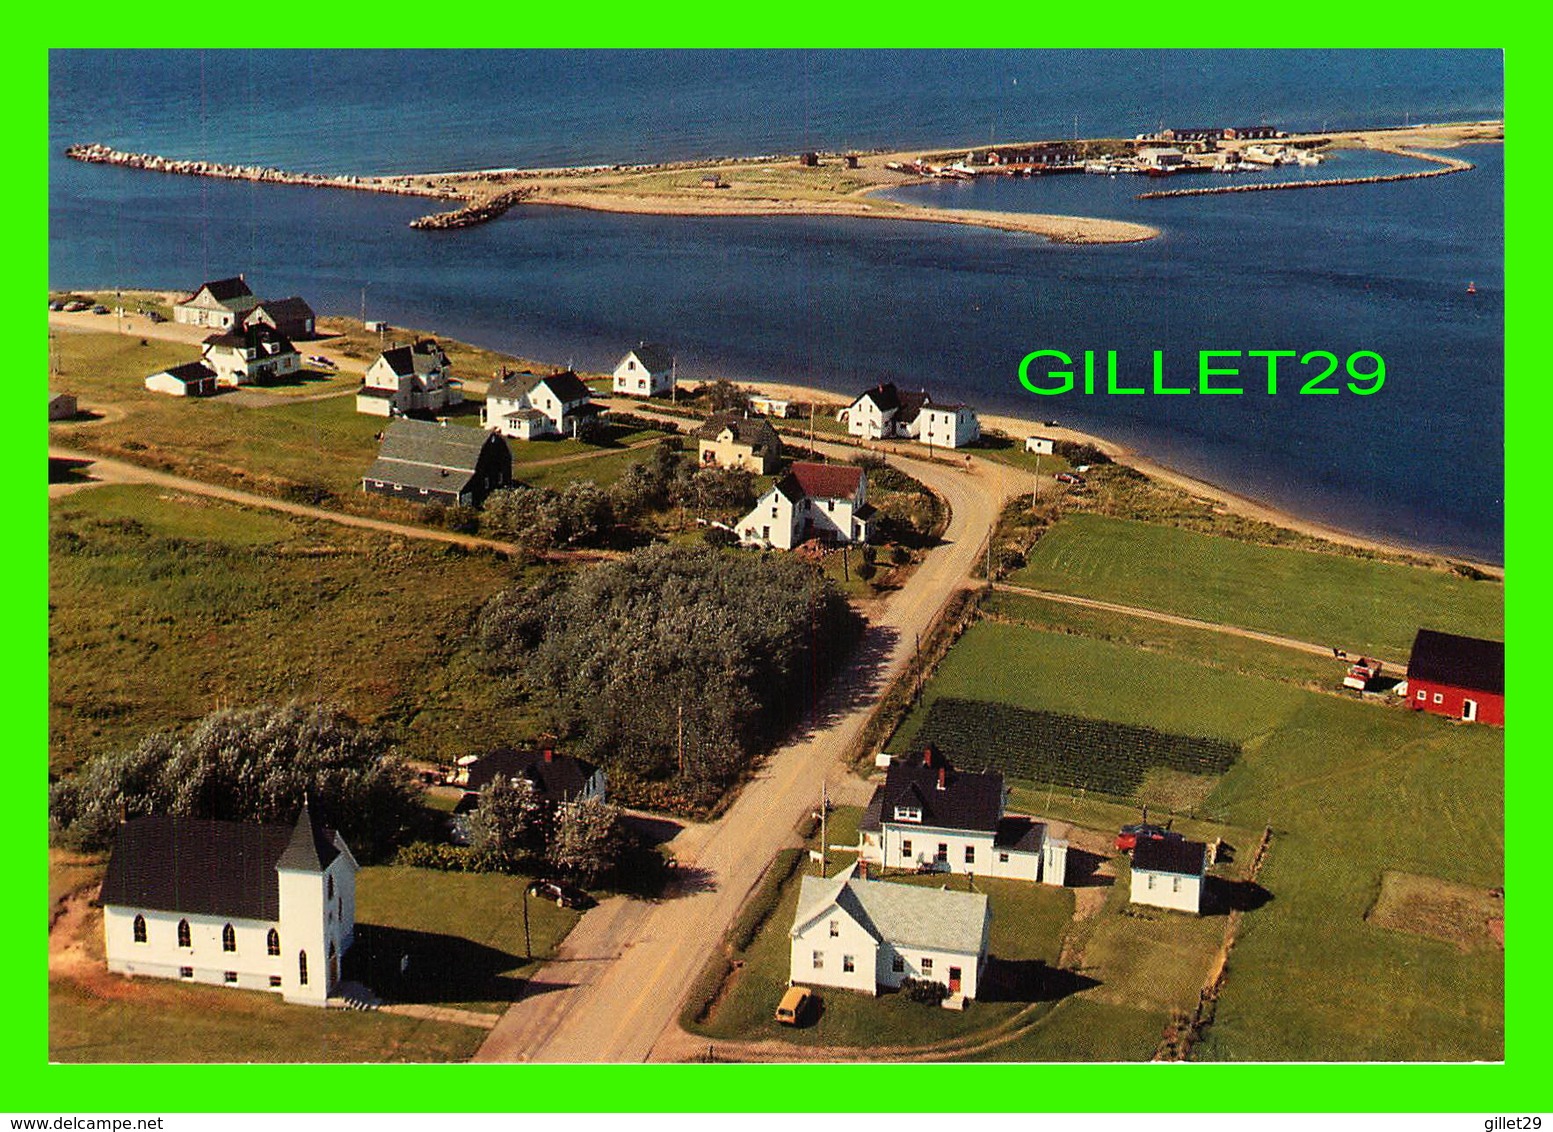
(825,501)
(258,353)
(928,815)
(219,304)
(862,934)
(1161,157)
(1169,872)
(263,907)
(771,406)
(409,379)
(947,426)
(645,372)
(1040,445)
(192,379)
(526,407)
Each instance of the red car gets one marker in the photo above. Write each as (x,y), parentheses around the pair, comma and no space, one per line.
(1129,836)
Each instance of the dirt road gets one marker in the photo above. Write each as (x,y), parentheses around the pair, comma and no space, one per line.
(616,987)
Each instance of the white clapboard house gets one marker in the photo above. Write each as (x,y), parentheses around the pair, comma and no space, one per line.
(646,371)
(1169,872)
(823,501)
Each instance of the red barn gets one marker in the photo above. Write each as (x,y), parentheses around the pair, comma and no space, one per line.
(1460,677)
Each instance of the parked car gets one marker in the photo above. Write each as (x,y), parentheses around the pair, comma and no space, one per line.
(156,316)
(56,304)
(794,1006)
(1069,477)
(1129,835)
(75,305)
(320,360)
(99,309)
(564,893)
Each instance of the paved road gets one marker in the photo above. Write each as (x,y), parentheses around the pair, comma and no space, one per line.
(617,983)
(1176,619)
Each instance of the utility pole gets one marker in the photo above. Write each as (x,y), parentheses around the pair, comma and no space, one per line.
(824,840)
(528,947)
(680,727)
(1036,486)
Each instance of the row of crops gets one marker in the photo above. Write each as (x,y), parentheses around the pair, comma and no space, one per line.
(1067,750)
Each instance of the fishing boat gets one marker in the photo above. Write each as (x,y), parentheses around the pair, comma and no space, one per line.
(1472,288)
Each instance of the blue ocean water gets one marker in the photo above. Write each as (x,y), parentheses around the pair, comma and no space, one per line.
(844,303)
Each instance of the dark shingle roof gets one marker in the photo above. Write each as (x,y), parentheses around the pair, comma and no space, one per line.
(253,337)
(1170,855)
(191,371)
(223,289)
(402,359)
(886,396)
(214,868)
(967,800)
(294,308)
(561,779)
(1020,833)
(512,386)
(754,431)
(911,405)
(310,849)
(567,386)
(1461,662)
(427,454)
(654,358)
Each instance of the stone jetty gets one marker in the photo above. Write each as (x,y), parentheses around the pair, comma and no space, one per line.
(477,212)
(1444,167)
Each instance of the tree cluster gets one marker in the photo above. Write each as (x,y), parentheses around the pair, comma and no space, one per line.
(675,666)
(250,765)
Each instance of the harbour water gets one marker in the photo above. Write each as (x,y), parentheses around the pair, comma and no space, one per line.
(844,303)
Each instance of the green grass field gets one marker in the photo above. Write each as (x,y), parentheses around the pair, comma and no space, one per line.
(1355,604)
(164,606)
(1351,789)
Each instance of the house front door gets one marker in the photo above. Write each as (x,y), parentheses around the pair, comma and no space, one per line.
(1469,710)
(954,980)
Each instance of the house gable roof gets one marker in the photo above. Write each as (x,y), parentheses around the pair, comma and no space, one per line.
(191,372)
(753,431)
(223,290)
(653,357)
(293,309)
(1461,662)
(511,386)
(253,338)
(565,387)
(822,481)
(426,454)
(1170,855)
(195,866)
(884,396)
(422,357)
(561,778)
(966,801)
(310,849)
(903,915)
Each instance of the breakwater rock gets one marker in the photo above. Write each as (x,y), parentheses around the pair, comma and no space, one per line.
(1444,167)
(477,212)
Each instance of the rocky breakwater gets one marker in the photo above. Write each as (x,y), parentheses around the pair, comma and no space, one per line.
(1443,167)
(476,212)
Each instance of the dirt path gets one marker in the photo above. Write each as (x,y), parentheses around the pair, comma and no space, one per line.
(1185,622)
(616,988)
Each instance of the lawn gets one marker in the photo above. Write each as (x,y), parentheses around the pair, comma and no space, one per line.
(1360,605)
(464,936)
(163,606)
(1353,790)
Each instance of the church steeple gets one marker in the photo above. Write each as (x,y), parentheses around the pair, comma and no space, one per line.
(310,849)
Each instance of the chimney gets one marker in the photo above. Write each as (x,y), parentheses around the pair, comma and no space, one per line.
(943,774)
(549,753)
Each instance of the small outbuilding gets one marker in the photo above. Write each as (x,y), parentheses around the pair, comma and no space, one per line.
(432,462)
(1169,872)
(1458,677)
(192,379)
(62,406)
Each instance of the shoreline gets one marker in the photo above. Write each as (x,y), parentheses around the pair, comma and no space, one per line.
(1237,503)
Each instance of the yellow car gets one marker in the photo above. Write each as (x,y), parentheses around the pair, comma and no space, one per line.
(794,1005)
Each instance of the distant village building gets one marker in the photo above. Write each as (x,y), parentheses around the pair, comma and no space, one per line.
(885,411)
(238,904)
(526,406)
(1458,677)
(771,406)
(1169,872)
(555,777)
(193,379)
(947,426)
(62,406)
(730,440)
(850,161)
(1161,157)
(433,462)
(929,815)
(1193,134)
(823,501)
(220,304)
(646,371)
(1040,445)
(1232,133)
(291,317)
(409,379)
(809,160)
(860,934)
(245,357)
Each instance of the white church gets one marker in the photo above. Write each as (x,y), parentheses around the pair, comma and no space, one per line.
(242,904)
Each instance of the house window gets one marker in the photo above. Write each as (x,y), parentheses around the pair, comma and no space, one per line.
(898,964)
(274,980)
(1002,858)
(1439,698)
(229,977)
(140,929)
(272,943)
(185,972)
(819,960)
(847,963)
(830,505)
(183,934)
(1422,695)
(1151,881)
(943,853)
(906,847)
(908,813)
(835,928)
(302,967)
(970,854)
(228,938)
(1175,884)
(927,967)
(329,890)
